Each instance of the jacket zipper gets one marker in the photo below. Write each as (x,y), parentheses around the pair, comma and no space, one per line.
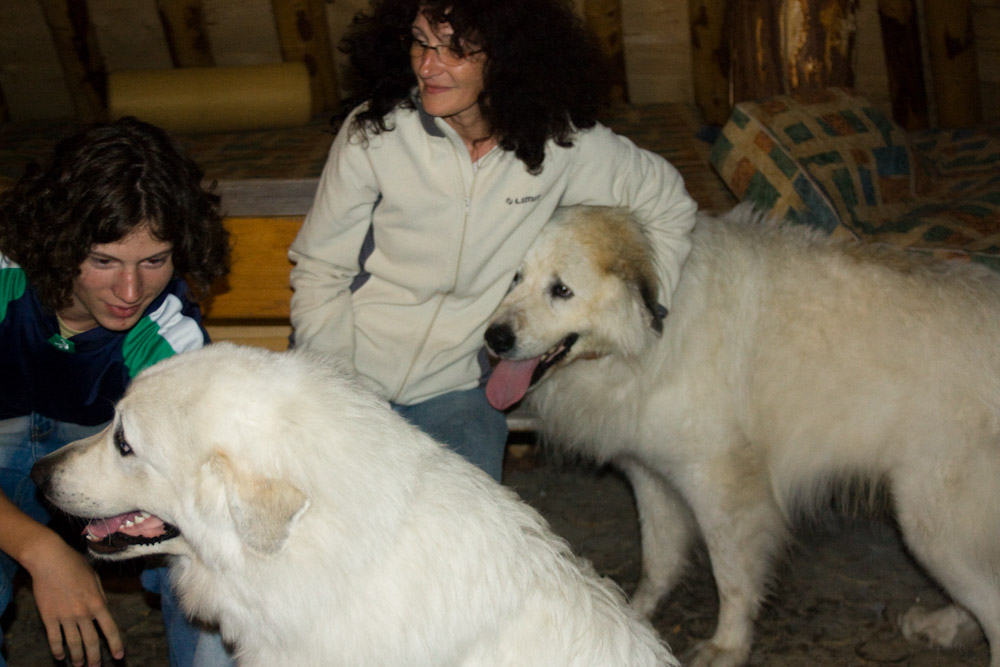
(467,195)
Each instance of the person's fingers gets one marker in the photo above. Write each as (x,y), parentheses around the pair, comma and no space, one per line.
(74,643)
(91,641)
(111,633)
(53,632)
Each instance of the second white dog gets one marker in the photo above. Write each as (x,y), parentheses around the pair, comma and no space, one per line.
(318,528)
(790,367)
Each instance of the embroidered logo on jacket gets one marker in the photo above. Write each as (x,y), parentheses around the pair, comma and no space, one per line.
(523,200)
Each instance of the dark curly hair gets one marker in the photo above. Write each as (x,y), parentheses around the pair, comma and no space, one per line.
(99,185)
(545,74)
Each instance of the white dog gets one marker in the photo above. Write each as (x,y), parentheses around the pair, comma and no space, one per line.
(318,528)
(790,367)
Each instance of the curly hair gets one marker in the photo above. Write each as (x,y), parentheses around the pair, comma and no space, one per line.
(98,186)
(545,75)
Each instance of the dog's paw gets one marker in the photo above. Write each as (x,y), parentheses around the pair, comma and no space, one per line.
(708,654)
(947,627)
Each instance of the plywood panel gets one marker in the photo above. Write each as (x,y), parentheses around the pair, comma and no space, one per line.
(130,34)
(30,75)
(242,32)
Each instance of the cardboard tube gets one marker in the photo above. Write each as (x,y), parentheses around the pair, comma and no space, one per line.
(213,99)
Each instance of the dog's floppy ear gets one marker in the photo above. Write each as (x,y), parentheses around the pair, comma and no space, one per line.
(657,311)
(264,509)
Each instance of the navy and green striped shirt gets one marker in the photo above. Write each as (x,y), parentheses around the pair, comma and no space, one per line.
(79,379)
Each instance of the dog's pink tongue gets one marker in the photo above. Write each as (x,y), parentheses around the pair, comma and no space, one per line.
(509,382)
(142,525)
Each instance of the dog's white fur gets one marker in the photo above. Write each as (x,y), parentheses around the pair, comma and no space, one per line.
(789,367)
(319,528)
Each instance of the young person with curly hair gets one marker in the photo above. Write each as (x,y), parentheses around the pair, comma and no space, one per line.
(474,120)
(97,249)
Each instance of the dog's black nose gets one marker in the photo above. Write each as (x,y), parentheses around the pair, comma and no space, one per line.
(500,338)
(41,472)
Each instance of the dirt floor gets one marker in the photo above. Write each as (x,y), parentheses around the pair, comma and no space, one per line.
(834,600)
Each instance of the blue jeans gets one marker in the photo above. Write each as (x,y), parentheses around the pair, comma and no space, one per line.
(24,440)
(466,423)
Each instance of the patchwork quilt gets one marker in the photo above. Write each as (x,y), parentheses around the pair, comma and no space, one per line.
(832,160)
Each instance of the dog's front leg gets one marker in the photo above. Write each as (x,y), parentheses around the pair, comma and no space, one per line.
(743,529)
(667,528)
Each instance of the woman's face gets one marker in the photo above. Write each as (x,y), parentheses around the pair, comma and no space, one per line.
(448,90)
(118,281)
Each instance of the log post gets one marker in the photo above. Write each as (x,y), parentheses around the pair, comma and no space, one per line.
(951,47)
(710,59)
(817,38)
(755,65)
(184,26)
(904,62)
(76,47)
(304,36)
(604,19)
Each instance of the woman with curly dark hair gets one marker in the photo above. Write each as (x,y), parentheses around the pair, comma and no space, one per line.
(474,120)
(94,251)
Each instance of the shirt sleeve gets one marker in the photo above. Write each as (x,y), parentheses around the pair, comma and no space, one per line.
(610,170)
(326,250)
(171,327)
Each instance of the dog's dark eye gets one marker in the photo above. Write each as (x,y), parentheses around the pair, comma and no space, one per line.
(517,278)
(560,291)
(124,448)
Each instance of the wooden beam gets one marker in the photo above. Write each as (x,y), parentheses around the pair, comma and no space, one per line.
(76,48)
(710,59)
(604,19)
(302,32)
(904,63)
(184,26)
(818,43)
(954,70)
(755,57)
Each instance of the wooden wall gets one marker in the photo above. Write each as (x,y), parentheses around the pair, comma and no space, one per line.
(127,34)
(986,22)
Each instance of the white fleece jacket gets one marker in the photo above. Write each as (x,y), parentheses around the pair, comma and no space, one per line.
(448,238)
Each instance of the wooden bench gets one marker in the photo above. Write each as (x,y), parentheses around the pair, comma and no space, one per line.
(252,306)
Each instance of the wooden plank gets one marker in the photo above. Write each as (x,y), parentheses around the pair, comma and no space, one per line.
(242,32)
(77,52)
(266,197)
(272,336)
(130,34)
(257,287)
(304,36)
(338,18)
(904,62)
(657,50)
(756,65)
(31,77)
(871,77)
(818,43)
(185,31)
(710,59)
(604,19)
(951,46)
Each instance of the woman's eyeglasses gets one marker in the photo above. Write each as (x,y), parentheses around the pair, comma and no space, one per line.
(446,53)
